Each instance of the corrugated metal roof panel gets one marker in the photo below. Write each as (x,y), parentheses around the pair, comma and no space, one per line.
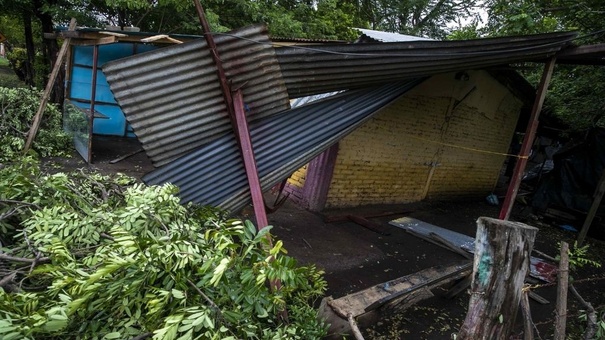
(214,174)
(308,71)
(172,97)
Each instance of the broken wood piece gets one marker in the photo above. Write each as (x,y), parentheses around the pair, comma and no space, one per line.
(539,299)
(160,37)
(452,275)
(92,42)
(369,224)
(408,290)
(121,158)
(115,34)
(459,287)
(562,287)
(528,324)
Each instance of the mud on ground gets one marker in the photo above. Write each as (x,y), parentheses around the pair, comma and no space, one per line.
(355,257)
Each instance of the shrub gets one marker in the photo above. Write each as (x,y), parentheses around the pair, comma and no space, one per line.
(120,259)
(17,109)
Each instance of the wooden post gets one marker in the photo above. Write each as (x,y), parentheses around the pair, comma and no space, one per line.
(596,202)
(33,130)
(502,253)
(562,287)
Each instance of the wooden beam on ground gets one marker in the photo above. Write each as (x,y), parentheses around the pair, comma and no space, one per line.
(33,130)
(500,266)
(375,227)
(406,290)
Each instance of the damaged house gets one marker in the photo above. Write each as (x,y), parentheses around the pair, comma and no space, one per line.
(412,119)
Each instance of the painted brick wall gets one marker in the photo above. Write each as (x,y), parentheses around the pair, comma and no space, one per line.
(443,121)
(296,182)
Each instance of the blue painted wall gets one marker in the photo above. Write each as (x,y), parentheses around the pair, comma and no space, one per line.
(81,85)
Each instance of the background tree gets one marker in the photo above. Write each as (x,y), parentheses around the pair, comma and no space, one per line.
(427,18)
(575,94)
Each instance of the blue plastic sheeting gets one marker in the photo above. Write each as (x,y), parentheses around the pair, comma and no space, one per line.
(214,174)
(113,121)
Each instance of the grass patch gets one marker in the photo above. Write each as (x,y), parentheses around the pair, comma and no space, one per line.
(8,78)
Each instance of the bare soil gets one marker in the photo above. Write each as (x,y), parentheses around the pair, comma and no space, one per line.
(354,257)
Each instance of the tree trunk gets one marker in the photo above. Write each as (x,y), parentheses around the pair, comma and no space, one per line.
(51,49)
(30,49)
(502,253)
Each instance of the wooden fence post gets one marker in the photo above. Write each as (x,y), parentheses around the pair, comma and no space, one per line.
(502,253)
(562,285)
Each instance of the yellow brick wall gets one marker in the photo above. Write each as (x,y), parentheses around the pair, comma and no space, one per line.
(298,177)
(442,121)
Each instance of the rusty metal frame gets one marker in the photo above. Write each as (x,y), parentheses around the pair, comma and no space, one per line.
(237,114)
(528,141)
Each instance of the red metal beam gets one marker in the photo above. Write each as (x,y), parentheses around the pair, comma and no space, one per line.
(249,161)
(235,107)
(528,141)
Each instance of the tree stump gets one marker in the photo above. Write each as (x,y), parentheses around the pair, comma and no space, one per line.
(501,262)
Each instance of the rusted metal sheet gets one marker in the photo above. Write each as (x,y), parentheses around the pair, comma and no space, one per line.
(214,174)
(172,98)
(312,70)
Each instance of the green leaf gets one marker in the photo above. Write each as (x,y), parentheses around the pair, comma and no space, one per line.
(113,335)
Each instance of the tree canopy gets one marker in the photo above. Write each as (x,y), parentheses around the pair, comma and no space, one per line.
(25,21)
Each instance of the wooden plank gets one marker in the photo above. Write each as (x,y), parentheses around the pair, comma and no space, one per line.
(91,42)
(33,130)
(161,37)
(562,286)
(363,301)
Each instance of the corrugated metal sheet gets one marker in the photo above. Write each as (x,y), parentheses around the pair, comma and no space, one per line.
(308,71)
(214,174)
(172,97)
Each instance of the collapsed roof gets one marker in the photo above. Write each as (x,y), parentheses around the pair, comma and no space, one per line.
(172,99)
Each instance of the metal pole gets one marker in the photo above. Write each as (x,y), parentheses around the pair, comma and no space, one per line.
(249,162)
(240,125)
(528,141)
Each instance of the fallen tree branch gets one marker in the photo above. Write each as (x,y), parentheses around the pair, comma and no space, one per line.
(24,259)
(212,304)
(7,279)
(591,315)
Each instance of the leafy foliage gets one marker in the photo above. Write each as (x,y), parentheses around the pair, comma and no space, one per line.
(17,109)
(579,257)
(120,259)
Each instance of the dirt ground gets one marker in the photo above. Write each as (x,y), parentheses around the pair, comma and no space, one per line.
(355,257)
